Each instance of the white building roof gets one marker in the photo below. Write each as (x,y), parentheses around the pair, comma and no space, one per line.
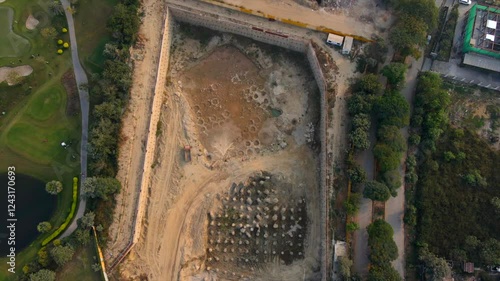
(490,37)
(491,24)
(335,39)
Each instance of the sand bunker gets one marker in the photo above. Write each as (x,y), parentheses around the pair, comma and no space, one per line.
(12,74)
(31,22)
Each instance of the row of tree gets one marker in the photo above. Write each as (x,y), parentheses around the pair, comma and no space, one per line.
(416,19)
(392,112)
(109,90)
(383,250)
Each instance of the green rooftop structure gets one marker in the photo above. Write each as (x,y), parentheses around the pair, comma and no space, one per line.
(481,44)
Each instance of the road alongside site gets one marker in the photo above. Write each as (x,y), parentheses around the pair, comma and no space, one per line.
(81,80)
(395,206)
(364,216)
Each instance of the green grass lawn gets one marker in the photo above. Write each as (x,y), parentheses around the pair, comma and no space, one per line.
(80,268)
(94,34)
(11,45)
(46,103)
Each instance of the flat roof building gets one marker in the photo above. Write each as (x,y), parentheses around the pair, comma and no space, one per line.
(335,39)
(481,44)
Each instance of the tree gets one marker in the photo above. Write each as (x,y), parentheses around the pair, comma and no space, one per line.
(360,139)
(87,220)
(352,226)
(82,236)
(490,252)
(436,268)
(48,32)
(377,50)
(449,156)
(495,201)
(474,178)
(43,275)
(391,136)
(345,265)
(361,121)
(410,216)
(352,204)
(359,104)
(376,191)
(43,257)
(392,109)
(125,23)
(426,10)
(62,254)
(387,158)
(414,139)
(383,249)
(392,179)
(56,8)
(384,272)
(356,174)
(44,227)
(95,187)
(408,34)
(54,187)
(368,85)
(395,73)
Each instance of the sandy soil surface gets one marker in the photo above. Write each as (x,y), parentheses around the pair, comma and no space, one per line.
(31,22)
(361,18)
(135,125)
(242,109)
(11,74)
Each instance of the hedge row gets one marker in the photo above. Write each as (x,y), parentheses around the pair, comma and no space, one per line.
(68,218)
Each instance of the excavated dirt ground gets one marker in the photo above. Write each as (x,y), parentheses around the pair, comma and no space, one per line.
(250,113)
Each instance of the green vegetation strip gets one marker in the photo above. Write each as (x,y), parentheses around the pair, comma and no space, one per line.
(68,218)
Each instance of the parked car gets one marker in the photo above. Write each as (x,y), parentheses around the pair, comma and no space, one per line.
(465,2)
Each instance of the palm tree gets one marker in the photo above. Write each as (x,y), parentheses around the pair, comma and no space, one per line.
(56,8)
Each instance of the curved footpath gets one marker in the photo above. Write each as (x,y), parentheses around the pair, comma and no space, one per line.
(81,79)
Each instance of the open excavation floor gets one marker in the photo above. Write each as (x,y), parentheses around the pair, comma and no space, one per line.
(246,205)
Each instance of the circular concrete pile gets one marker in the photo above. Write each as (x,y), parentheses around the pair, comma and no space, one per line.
(255,225)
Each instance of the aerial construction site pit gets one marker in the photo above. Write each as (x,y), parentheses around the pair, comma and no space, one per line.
(235,184)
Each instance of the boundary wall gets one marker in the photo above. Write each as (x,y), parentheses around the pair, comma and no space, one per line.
(266,35)
(157,101)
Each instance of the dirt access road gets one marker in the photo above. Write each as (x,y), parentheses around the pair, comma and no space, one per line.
(289,10)
(135,126)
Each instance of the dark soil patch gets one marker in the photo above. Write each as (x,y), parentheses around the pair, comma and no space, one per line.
(73,101)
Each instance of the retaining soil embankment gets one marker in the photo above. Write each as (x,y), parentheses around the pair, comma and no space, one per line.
(266,35)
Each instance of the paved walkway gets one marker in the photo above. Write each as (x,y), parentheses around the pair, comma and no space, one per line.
(395,206)
(364,216)
(81,79)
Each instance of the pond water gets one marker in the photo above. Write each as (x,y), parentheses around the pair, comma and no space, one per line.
(32,205)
